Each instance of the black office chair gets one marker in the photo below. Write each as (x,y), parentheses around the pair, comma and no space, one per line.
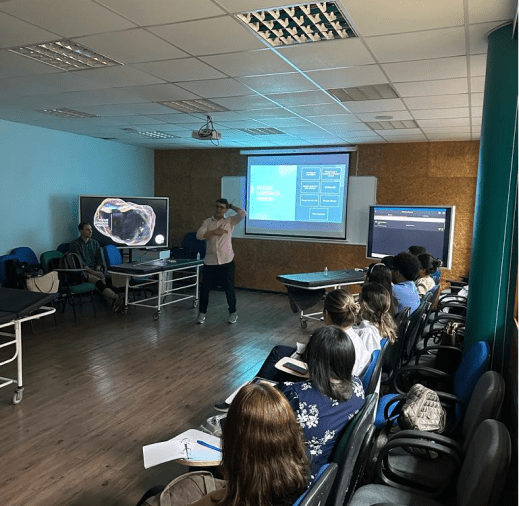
(191,247)
(318,491)
(480,481)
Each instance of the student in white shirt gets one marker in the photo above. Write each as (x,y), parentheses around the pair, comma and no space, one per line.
(217,231)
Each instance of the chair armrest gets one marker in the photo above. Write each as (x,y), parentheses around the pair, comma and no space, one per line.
(454,350)
(429,373)
(426,436)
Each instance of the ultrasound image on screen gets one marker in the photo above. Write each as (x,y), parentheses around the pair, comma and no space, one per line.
(125,222)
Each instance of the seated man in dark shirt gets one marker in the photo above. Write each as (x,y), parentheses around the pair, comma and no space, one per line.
(90,253)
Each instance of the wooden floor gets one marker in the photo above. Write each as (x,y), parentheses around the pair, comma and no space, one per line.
(97,390)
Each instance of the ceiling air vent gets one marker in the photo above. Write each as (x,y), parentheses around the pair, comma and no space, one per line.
(362,93)
(68,113)
(198,105)
(312,22)
(151,134)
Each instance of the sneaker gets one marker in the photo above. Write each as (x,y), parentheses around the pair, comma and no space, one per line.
(117,303)
(223,407)
(200,318)
(233,317)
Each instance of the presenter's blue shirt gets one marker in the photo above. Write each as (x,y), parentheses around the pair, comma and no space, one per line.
(321,417)
(406,295)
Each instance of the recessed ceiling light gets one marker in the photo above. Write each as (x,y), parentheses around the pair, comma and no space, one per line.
(65,55)
(198,105)
(152,134)
(310,22)
(384,117)
(392,125)
(261,131)
(68,113)
(362,93)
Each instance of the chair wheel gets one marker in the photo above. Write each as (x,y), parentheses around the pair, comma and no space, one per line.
(195,303)
(17,396)
(156,316)
(304,324)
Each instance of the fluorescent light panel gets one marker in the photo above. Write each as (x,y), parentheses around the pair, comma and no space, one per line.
(363,93)
(65,55)
(197,105)
(151,134)
(298,24)
(392,125)
(68,113)
(261,131)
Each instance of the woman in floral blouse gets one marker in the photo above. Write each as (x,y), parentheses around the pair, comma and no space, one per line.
(326,402)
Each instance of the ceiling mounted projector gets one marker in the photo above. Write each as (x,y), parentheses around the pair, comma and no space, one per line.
(207,132)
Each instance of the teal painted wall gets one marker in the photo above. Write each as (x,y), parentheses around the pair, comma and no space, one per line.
(43,171)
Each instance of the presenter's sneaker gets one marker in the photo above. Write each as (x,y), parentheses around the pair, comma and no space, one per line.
(223,407)
(200,318)
(233,317)
(117,303)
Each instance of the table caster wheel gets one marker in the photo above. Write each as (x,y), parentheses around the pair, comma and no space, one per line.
(304,324)
(195,303)
(156,316)
(17,397)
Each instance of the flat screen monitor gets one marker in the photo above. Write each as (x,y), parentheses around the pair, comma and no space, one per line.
(392,229)
(301,195)
(127,222)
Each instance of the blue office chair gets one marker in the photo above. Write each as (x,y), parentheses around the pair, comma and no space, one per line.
(63,247)
(27,255)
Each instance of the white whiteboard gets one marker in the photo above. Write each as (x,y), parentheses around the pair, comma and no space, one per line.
(362,193)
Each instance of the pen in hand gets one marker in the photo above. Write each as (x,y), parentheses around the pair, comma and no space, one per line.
(203,443)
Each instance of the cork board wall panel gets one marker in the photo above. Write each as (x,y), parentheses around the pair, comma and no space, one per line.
(442,173)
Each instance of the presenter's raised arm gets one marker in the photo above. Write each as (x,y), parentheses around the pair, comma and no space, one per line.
(240,213)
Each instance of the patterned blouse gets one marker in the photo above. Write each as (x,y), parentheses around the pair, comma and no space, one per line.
(321,417)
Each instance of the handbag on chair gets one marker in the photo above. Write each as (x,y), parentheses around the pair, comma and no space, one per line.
(48,283)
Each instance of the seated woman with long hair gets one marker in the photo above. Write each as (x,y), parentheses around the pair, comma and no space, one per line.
(381,274)
(331,397)
(375,321)
(340,309)
(264,461)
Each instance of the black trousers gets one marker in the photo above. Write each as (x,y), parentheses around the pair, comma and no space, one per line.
(214,276)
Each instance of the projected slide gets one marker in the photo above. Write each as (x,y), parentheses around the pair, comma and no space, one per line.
(297,195)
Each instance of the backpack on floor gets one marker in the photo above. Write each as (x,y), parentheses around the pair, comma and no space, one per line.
(15,274)
(73,262)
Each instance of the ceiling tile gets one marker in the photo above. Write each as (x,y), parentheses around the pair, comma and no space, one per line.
(418,45)
(126,109)
(318,109)
(335,119)
(427,70)
(407,132)
(438,101)
(351,127)
(252,63)
(447,136)
(477,84)
(213,88)
(476,99)
(481,11)
(396,115)
(478,65)
(248,102)
(98,97)
(427,88)
(278,83)
(67,18)
(159,92)
(285,122)
(15,65)
(443,123)
(385,105)
(460,112)
(477,112)
(400,16)
(328,54)
(348,77)
(302,98)
(220,35)
(16,32)
(158,12)
(131,46)
(260,114)
(186,69)
(116,76)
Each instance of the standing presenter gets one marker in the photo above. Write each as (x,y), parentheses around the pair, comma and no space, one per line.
(217,231)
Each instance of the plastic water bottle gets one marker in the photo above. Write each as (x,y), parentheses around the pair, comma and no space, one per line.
(326,271)
(198,256)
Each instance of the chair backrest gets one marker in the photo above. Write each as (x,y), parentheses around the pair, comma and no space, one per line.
(192,246)
(112,255)
(472,366)
(483,473)
(25,254)
(347,450)
(46,258)
(416,324)
(392,357)
(485,403)
(318,491)
(371,376)
(3,274)
(63,247)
